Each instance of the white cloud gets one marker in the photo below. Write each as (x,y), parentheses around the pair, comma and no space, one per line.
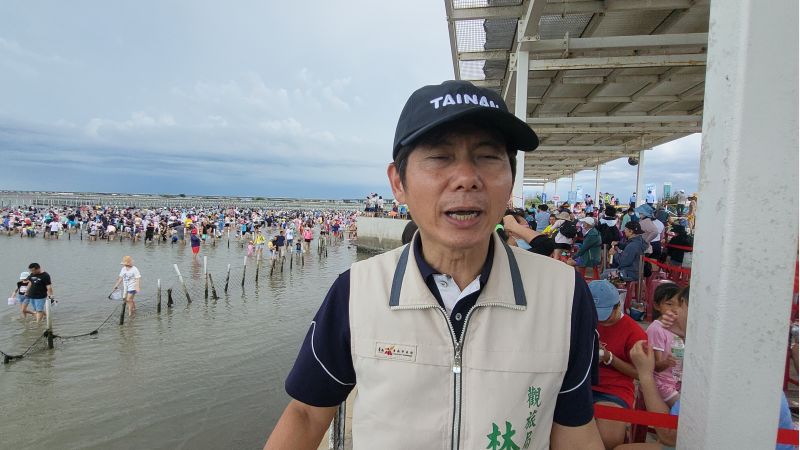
(138,120)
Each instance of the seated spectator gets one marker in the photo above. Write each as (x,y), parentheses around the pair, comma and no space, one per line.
(682,238)
(660,340)
(629,216)
(617,333)
(649,228)
(626,256)
(550,229)
(589,253)
(565,233)
(607,226)
(643,358)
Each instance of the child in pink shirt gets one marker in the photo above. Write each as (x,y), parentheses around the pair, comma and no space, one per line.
(660,340)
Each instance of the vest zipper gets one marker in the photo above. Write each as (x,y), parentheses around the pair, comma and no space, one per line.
(457,353)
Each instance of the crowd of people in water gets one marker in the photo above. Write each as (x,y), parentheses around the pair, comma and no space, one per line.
(179,226)
(266,233)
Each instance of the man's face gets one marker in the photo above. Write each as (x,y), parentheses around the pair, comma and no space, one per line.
(458,188)
(35,271)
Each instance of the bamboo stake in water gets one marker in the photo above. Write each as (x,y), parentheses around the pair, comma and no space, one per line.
(49,318)
(227,278)
(158,295)
(205,275)
(122,314)
(244,270)
(213,289)
(180,277)
(258,266)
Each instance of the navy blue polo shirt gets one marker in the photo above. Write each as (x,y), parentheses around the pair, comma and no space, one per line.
(323,374)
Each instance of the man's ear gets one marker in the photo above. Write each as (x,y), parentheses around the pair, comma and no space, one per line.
(396,183)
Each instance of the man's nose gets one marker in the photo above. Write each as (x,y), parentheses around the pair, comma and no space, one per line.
(466,174)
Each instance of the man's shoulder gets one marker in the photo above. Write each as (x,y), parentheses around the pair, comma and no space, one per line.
(390,257)
(540,262)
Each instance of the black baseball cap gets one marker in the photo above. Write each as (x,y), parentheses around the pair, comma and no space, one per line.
(434,105)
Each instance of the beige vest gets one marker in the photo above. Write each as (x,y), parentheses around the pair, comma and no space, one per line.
(419,388)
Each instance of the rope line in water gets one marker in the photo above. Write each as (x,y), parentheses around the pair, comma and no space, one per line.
(196,291)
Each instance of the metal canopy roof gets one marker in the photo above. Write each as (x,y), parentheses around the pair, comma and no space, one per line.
(606,79)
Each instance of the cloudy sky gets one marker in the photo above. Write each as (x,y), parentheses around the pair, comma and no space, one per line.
(256,98)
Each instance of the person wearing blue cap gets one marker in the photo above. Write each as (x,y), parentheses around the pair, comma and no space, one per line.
(618,334)
(454,340)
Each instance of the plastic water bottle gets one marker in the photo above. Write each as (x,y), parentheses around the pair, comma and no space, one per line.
(677,352)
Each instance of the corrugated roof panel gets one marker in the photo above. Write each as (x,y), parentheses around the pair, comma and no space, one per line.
(470,35)
(694,22)
(628,23)
(462,4)
(571,90)
(471,70)
(499,33)
(672,87)
(556,26)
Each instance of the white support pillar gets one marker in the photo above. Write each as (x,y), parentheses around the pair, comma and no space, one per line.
(738,314)
(596,185)
(640,193)
(521,111)
(555,188)
(572,182)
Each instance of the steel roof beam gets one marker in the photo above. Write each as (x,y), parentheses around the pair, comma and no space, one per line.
(619,130)
(618,62)
(596,148)
(588,6)
(612,119)
(620,99)
(578,7)
(488,55)
(487,83)
(489,12)
(677,77)
(532,44)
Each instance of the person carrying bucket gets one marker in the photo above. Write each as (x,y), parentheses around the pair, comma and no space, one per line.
(129,277)
(19,294)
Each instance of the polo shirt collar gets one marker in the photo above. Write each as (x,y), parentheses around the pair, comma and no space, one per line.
(427,272)
(503,285)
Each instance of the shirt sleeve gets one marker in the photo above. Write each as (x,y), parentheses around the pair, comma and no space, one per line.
(656,337)
(136,273)
(323,374)
(574,406)
(636,335)
(542,245)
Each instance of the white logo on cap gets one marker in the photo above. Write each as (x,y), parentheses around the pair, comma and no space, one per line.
(466,99)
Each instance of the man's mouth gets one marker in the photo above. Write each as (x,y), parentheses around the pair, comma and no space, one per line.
(463,214)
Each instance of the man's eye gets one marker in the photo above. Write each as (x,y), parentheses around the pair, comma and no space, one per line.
(491,156)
